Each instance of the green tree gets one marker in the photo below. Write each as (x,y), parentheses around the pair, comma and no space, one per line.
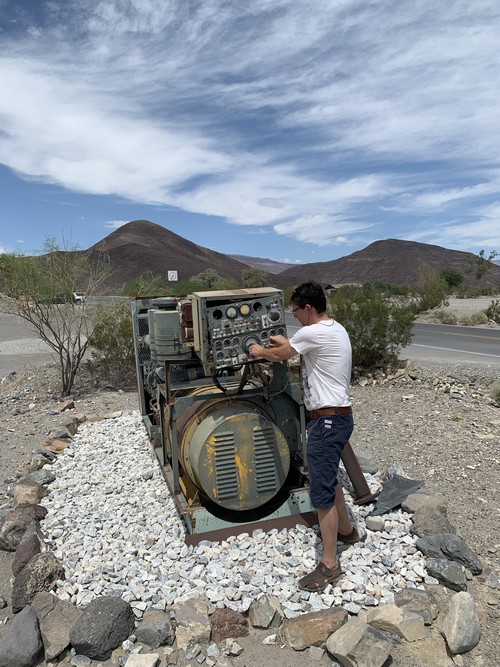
(112,356)
(210,280)
(452,278)
(254,277)
(377,326)
(479,264)
(39,290)
(147,285)
(431,288)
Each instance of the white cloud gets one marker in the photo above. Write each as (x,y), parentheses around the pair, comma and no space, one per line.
(115,224)
(483,231)
(307,118)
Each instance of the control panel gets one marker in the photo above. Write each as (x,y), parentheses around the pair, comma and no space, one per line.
(235,324)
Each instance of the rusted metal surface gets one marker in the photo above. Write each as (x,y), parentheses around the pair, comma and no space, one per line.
(356,475)
(308,519)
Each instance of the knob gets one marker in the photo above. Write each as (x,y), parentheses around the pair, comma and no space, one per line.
(249,341)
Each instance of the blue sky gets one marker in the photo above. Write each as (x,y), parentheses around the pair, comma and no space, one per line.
(296,130)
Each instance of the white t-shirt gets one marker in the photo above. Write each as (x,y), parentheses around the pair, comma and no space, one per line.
(326,364)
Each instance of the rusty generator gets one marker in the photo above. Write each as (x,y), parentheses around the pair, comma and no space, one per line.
(228,430)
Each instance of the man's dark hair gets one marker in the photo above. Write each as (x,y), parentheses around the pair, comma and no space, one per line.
(309,293)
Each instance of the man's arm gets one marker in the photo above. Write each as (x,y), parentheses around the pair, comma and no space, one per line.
(279,350)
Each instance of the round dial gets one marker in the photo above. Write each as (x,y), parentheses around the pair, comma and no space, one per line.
(249,341)
(245,309)
(274,315)
(231,312)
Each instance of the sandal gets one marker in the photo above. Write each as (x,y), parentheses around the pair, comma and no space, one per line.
(357,534)
(319,578)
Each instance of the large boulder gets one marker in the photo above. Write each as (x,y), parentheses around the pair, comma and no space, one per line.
(312,628)
(461,627)
(56,618)
(103,625)
(356,644)
(21,642)
(31,544)
(40,574)
(13,525)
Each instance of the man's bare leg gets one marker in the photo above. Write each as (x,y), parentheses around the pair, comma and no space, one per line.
(328,524)
(344,522)
(331,521)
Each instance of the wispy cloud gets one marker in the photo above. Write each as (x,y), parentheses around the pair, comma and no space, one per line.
(115,224)
(317,120)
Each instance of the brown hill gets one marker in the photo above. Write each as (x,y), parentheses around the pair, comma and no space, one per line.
(141,246)
(392,261)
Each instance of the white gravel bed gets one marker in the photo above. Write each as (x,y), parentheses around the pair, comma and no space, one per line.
(114,525)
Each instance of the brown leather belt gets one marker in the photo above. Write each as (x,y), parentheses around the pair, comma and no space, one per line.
(325,412)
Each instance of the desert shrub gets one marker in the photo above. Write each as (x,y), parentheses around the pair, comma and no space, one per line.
(452,278)
(493,311)
(470,292)
(387,288)
(494,390)
(432,290)
(378,328)
(40,288)
(444,316)
(112,357)
(474,319)
(253,277)
(146,285)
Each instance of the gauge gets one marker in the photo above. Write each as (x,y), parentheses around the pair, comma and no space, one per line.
(249,341)
(274,315)
(245,309)
(231,312)
(218,344)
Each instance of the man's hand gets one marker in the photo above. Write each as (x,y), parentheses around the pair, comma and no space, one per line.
(279,349)
(256,350)
(277,341)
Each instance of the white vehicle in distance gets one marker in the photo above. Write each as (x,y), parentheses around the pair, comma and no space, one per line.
(78,297)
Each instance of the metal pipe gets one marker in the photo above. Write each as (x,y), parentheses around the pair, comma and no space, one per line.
(358,480)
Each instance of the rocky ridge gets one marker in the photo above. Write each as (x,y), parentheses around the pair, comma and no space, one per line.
(461,395)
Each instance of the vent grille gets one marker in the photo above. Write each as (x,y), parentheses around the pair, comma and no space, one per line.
(143,325)
(226,476)
(265,468)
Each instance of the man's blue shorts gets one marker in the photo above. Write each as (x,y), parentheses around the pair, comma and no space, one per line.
(326,438)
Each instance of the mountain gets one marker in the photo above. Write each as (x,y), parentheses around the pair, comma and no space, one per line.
(392,261)
(140,247)
(268,265)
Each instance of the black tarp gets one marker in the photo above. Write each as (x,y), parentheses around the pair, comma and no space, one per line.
(394,491)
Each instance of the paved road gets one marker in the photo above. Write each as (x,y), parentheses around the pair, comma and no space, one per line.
(20,346)
(454,343)
(439,342)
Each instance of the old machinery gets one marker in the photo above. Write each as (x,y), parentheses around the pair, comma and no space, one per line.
(228,430)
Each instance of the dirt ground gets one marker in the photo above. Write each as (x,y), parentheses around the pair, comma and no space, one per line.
(451,442)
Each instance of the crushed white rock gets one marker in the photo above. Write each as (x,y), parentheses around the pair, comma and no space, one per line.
(114,525)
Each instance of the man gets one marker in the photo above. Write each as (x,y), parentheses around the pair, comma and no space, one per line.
(326,359)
